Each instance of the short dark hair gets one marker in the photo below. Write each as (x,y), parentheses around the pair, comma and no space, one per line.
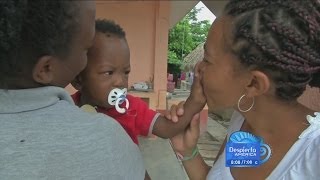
(30,29)
(108,26)
(280,38)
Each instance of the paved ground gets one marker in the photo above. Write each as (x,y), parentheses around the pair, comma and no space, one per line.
(160,160)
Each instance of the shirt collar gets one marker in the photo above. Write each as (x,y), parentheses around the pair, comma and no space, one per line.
(14,101)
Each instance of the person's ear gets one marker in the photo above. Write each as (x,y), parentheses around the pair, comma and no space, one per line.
(258,84)
(43,70)
(77,82)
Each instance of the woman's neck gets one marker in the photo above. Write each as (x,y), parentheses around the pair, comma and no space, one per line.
(277,119)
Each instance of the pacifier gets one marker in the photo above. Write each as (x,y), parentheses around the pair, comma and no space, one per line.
(117,97)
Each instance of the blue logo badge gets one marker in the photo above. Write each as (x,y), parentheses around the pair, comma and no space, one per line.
(246,150)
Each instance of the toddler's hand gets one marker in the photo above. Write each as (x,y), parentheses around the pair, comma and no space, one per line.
(197,97)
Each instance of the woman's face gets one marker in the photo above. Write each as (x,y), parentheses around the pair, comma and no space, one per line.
(223,79)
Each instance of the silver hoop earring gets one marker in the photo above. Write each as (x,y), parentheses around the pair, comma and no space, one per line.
(241,110)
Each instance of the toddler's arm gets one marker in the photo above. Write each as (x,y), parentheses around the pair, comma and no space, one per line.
(166,128)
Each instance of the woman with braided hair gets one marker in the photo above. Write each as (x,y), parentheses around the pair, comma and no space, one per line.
(259,57)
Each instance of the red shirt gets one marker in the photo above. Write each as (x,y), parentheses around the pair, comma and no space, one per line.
(137,120)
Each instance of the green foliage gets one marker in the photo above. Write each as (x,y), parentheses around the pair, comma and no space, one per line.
(172,58)
(186,36)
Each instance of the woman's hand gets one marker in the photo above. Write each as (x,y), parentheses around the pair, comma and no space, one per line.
(186,140)
(175,112)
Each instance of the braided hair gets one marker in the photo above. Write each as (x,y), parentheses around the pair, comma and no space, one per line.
(30,29)
(280,38)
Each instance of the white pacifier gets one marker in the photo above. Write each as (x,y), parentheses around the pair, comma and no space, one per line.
(117,97)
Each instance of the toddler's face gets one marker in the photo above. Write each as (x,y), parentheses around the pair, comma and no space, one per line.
(108,68)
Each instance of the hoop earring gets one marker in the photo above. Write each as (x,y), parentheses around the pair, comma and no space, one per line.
(241,110)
